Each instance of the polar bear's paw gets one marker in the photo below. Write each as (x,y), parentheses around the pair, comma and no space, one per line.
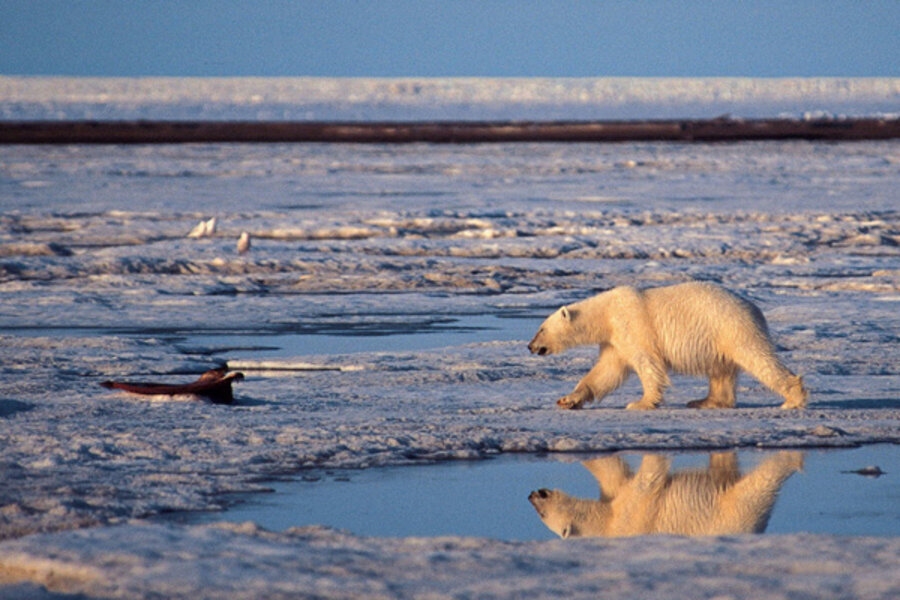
(571,402)
(797,395)
(580,396)
(706,403)
(641,405)
(791,460)
(793,405)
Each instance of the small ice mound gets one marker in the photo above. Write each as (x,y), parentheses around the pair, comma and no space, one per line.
(243,243)
(34,249)
(11,407)
(203,229)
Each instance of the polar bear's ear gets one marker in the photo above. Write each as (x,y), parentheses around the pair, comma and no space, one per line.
(569,314)
(567,531)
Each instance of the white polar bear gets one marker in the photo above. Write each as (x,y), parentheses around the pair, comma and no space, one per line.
(692,328)
(717,500)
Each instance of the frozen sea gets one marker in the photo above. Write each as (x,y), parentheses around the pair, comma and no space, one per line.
(381,317)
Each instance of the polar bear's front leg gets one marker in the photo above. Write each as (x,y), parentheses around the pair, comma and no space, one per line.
(654,379)
(605,376)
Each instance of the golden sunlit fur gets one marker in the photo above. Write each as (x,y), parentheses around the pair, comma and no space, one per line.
(712,501)
(692,328)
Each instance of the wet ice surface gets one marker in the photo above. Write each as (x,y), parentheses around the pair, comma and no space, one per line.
(832,494)
(361,318)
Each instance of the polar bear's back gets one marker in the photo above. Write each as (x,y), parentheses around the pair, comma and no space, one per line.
(700,326)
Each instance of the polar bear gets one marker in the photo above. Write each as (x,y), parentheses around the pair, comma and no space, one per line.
(693,328)
(712,501)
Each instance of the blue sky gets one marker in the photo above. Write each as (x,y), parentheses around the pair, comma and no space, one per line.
(441,38)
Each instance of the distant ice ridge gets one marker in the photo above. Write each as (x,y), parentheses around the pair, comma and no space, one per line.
(442,99)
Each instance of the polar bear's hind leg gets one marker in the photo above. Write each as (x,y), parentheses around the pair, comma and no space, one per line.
(654,379)
(765,366)
(721,390)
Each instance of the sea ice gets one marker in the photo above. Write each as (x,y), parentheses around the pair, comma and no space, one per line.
(324,99)
(370,244)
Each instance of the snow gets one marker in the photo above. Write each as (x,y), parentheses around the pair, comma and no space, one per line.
(242,561)
(98,281)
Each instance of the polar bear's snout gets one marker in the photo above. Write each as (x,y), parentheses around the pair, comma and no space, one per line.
(539,350)
(536,498)
(535,347)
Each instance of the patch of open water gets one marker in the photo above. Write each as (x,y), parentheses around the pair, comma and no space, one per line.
(817,491)
(369,336)
(372,333)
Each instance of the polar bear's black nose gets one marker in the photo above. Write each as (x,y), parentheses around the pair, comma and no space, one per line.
(535,349)
(542,493)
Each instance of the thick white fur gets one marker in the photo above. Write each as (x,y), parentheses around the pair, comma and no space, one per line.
(692,328)
(712,501)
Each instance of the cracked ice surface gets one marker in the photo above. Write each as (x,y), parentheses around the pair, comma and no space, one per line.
(99,281)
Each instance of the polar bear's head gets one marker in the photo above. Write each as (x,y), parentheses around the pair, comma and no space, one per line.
(556,333)
(558,511)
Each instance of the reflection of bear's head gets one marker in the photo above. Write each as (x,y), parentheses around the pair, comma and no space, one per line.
(556,333)
(564,515)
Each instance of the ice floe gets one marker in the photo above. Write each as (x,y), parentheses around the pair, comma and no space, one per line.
(373,245)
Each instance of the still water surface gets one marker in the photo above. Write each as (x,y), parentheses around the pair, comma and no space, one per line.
(490,498)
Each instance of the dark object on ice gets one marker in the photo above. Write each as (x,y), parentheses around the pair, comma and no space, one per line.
(214,385)
(445,132)
(874,471)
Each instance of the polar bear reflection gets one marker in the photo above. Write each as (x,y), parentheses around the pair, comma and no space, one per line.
(717,500)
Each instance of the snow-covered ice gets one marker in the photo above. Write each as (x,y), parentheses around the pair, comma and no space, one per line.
(98,281)
(241,561)
(404,99)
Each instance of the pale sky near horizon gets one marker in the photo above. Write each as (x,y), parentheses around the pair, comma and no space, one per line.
(444,38)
